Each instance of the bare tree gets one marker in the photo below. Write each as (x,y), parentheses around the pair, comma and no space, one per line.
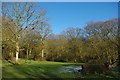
(72,33)
(23,16)
(44,30)
(106,31)
(73,36)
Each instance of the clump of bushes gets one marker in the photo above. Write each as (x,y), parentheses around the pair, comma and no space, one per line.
(94,68)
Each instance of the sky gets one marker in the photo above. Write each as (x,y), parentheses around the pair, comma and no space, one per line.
(62,15)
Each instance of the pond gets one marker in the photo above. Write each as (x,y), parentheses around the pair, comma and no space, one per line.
(71,69)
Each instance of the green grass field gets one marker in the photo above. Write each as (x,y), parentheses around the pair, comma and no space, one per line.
(44,69)
(35,69)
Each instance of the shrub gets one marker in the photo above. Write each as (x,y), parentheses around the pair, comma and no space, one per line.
(93,69)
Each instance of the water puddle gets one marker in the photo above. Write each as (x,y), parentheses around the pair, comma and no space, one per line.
(70,69)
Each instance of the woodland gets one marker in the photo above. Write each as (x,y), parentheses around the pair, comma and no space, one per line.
(28,40)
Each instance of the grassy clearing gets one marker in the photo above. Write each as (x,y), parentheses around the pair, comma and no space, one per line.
(37,69)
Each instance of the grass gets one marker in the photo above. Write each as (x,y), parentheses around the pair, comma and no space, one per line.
(44,69)
(35,69)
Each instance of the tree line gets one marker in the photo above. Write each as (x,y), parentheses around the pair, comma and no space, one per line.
(27,34)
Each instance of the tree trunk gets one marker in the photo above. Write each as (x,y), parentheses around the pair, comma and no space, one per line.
(119,57)
(42,52)
(17,52)
(27,53)
(30,52)
(42,55)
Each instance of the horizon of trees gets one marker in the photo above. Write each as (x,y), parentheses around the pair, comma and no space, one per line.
(26,34)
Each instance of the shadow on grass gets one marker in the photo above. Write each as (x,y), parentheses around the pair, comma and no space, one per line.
(47,70)
(30,71)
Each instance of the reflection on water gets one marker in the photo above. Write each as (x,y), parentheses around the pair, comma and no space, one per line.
(70,69)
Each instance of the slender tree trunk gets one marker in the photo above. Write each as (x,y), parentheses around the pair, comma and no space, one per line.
(17,52)
(27,53)
(119,57)
(30,52)
(42,53)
